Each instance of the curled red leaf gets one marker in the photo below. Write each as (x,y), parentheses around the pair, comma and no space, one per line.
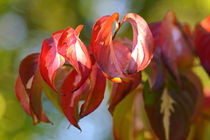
(202,45)
(101,45)
(50,61)
(70,98)
(28,88)
(96,91)
(143,44)
(117,59)
(22,95)
(75,52)
(65,45)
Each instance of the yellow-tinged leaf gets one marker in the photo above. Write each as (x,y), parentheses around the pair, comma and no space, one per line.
(52,96)
(166,109)
(122,118)
(129,120)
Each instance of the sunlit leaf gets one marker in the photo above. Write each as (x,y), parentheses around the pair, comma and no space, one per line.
(50,60)
(75,52)
(102,48)
(69,82)
(206,23)
(119,59)
(70,98)
(96,91)
(143,44)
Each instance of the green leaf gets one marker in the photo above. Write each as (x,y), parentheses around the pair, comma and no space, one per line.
(129,118)
(122,118)
(52,96)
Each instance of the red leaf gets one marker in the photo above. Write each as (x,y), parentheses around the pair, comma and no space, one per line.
(22,95)
(118,59)
(70,99)
(156,72)
(155,29)
(102,48)
(202,46)
(50,60)
(29,88)
(171,108)
(121,90)
(206,23)
(65,44)
(96,91)
(196,81)
(143,44)
(75,52)
(174,45)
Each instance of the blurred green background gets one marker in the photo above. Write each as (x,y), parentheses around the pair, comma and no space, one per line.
(23,26)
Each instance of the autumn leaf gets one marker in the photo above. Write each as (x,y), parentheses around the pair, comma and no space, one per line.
(93,88)
(52,96)
(166,108)
(206,23)
(75,52)
(173,43)
(50,60)
(96,90)
(121,90)
(143,45)
(117,59)
(70,98)
(171,108)
(65,48)
(129,121)
(28,88)
(202,43)
(156,72)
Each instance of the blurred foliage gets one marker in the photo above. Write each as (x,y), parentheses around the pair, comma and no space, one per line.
(25,23)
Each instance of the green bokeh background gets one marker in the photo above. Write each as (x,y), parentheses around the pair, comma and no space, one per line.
(25,23)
